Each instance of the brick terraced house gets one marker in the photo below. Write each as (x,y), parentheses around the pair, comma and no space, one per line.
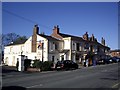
(57,46)
(115,53)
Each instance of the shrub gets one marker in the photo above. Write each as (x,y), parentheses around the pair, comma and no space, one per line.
(47,66)
(37,64)
(44,66)
(27,63)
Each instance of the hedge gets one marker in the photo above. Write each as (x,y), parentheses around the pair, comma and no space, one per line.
(37,64)
(47,65)
(44,66)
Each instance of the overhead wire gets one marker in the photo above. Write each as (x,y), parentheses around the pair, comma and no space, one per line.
(24,18)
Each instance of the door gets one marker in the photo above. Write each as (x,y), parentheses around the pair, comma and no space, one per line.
(53,58)
(62,57)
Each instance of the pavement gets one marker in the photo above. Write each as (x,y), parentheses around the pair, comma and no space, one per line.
(10,71)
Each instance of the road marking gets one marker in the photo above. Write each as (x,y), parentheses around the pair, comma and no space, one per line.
(35,86)
(114,86)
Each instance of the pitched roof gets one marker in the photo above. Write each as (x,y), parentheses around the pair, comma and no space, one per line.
(17,43)
(72,36)
(80,38)
(48,37)
(116,50)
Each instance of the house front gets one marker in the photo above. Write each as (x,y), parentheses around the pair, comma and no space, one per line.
(55,47)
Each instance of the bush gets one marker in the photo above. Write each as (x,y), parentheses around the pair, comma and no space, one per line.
(37,64)
(44,66)
(27,63)
(47,65)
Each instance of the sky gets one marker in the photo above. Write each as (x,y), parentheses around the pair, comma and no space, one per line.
(75,18)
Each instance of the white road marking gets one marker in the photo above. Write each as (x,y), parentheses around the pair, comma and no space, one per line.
(35,86)
(116,85)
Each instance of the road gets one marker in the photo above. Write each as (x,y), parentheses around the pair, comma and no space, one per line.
(101,76)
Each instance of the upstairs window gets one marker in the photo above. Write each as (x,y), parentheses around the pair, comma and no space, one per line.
(11,48)
(80,46)
(56,47)
(77,46)
(86,46)
(73,46)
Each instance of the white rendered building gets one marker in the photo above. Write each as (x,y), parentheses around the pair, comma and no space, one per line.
(57,46)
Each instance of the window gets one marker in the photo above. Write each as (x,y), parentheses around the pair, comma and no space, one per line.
(95,48)
(22,48)
(11,49)
(86,46)
(56,47)
(91,48)
(62,57)
(77,46)
(103,50)
(77,56)
(73,46)
(53,58)
(51,44)
(80,46)
(98,49)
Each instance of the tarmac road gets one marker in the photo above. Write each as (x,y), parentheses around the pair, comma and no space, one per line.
(101,76)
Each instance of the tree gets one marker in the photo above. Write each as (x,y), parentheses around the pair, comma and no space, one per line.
(21,39)
(12,38)
(9,38)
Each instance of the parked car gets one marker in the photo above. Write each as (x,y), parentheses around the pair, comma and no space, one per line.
(104,61)
(66,64)
(101,61)
(107,61)
(59,65)
(115,59)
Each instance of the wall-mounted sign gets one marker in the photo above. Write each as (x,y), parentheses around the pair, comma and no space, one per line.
(40,44)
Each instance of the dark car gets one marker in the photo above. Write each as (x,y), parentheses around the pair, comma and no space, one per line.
(104,61)
(66,65)
(115,59)
(107,61)
(101,61)
(59,65)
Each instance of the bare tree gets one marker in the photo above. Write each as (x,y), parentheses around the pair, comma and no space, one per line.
(9,38)
(12,38)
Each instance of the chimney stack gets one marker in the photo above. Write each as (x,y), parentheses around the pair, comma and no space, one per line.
(85,36)
(56,29)
(34,38)
(36,29)
(103,41)
(92,37)
(56,33)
